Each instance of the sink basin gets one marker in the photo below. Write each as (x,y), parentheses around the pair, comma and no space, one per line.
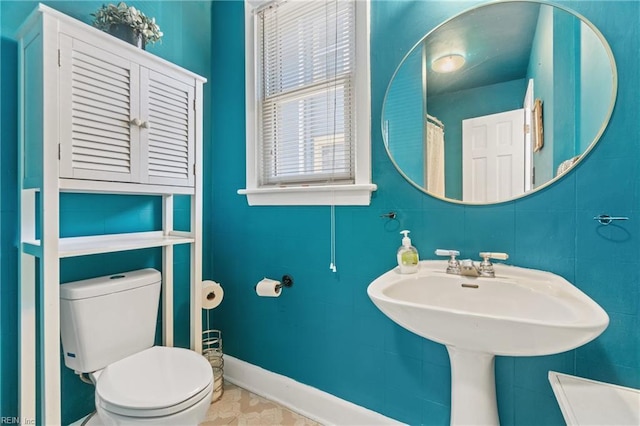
(520,312)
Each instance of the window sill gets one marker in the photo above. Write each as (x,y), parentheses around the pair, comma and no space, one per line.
(325,195)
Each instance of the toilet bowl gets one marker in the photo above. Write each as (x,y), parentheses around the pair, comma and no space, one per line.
(159,386)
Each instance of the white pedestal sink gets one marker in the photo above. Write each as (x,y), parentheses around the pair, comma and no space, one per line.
(520,312)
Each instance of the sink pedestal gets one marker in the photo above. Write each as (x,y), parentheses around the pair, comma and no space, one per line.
(473,388)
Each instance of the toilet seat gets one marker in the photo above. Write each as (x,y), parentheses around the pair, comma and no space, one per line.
(158,381)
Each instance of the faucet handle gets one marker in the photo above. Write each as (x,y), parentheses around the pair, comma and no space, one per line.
(443,252)
(453,267)
(486,255)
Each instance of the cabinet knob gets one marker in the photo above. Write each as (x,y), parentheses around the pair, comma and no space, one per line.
(145,125)
(136,122)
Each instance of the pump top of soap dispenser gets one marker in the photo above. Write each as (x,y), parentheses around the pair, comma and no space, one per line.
(406,241)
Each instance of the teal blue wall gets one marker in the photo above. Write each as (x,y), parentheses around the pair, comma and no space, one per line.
(541,71)
(592,71)
(187,29)
(404,112)
(8,236)
(566,66)
(325,332)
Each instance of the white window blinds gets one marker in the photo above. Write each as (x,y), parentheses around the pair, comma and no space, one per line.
(306,71)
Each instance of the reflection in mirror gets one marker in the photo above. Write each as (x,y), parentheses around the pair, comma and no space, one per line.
(499,101)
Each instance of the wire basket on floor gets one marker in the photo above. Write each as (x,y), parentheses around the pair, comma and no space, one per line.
(212,351)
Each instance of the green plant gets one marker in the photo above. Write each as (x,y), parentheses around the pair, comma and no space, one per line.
(110,14)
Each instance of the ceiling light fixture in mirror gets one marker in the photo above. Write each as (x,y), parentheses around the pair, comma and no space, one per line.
(533,91)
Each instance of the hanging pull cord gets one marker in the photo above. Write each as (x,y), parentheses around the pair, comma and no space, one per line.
(332,265)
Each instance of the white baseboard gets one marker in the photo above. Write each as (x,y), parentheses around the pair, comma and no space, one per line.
(303,399)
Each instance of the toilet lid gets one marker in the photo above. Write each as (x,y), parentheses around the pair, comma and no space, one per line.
(155,382)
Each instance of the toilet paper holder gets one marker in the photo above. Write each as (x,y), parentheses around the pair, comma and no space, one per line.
(286,281)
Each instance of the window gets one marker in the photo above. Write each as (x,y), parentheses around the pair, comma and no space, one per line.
(308,103)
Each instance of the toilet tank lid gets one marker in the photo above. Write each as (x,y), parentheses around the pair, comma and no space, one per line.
(100,286)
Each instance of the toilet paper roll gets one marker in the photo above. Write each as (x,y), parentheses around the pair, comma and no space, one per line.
(212,294)
(268,288)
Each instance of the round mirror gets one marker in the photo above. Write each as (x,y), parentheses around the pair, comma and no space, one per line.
(499,101)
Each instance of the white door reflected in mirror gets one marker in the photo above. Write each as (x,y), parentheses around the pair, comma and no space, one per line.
(493,152)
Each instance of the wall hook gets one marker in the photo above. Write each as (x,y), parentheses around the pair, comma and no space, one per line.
(605,219)
(390,215)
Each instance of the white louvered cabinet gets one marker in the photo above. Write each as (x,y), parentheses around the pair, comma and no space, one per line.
(123,120)
(97,115)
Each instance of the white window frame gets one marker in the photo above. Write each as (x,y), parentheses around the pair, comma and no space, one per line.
(357,193)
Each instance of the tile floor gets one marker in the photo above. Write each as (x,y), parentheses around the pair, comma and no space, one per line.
(238,406)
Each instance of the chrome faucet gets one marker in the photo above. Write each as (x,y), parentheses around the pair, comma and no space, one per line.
(467,267)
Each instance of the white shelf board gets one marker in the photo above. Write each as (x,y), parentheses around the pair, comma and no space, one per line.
(106,187)
(82,246)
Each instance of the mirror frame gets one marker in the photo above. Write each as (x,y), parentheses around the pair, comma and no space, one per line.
(556,178)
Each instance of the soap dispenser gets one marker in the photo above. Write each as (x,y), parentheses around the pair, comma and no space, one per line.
(407,255)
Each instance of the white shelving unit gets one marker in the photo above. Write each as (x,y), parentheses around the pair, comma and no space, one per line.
(97,115)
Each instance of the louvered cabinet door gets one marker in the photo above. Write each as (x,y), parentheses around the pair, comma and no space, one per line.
(99,99)
(167,134)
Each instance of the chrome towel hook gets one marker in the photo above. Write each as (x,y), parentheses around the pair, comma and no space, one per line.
(605,219)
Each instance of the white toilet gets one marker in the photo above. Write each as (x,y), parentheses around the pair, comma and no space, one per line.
(108,325)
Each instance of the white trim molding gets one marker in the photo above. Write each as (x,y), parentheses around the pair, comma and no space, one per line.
(319,195)
(308,401)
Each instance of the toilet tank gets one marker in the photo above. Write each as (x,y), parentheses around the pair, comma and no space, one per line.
(105,319)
